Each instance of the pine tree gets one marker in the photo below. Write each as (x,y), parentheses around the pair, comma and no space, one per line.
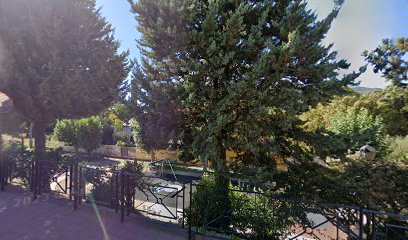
(155,107)
(60,60)
(253,67)
(245,71)
(389,59)
(153,88)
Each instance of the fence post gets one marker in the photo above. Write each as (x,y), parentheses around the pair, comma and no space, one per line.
(40,176)
(71,175)
(128,195)
(122,195)
(35,178)
(184,196)
(116,192)
(361,233)
(190,210)
(373,228)
(80,179)
(76,183)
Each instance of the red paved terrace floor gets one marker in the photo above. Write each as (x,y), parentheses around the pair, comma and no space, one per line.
(52,218)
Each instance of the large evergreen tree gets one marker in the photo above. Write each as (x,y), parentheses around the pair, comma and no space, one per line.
(253,67)
(153,88)
(245,71)
(155,105)
(60,60)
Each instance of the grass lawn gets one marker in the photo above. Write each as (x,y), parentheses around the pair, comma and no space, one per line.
(51,143)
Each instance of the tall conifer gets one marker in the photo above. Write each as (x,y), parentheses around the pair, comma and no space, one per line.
(245,70)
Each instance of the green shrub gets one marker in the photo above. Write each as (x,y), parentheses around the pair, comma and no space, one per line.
(397,150)
(123,138)
(19,160)
(66,131)
(258,216)
(356,129)
(84,133)
(104,187)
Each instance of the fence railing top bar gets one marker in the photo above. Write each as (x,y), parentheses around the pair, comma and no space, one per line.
(395,215)
(311,202)
(397,226)
(281,198)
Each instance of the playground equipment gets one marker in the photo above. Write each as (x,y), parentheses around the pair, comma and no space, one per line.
(159,165)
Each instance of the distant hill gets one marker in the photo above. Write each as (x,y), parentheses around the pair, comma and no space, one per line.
(365,89)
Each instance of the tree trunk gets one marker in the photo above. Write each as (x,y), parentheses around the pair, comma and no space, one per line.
(153,155)
(222,186)
(39,157)
(205,165)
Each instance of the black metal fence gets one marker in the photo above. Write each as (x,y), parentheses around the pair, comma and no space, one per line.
(258,215)
(133,193)
(241,213)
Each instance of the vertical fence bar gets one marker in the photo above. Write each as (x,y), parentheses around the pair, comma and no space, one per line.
(76,186)
(40,176)
(116,192)
(83,183)
(111,185)
(122,195)
(183,217)
(8,173)
(337,227)
(373,227)
(31,172)
(128,194)
(190,210)
(35,185)
(361,223)
(66,180)
(71,175)
(80,179)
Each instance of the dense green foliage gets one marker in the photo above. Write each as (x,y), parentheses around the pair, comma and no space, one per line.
(154,95)
(379,186)
(60,60)
(354,130)
(262,217)
(156,110)
(244,71)
(135,126)
(20,161)
(85,133)
(385,113)
(53,47)
(397,150)
(389,104)
(104,191)
(389,59)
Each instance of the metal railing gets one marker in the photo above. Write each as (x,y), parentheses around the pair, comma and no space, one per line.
(257,215)
(242,213)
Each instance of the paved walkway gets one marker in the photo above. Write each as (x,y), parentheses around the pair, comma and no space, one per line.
(52,218)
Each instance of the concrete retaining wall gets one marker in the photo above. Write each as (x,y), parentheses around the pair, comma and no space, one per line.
(128,152)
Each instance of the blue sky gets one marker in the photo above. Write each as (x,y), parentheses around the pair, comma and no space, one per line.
(361,25)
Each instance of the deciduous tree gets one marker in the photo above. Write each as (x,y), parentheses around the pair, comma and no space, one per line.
(60,60)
